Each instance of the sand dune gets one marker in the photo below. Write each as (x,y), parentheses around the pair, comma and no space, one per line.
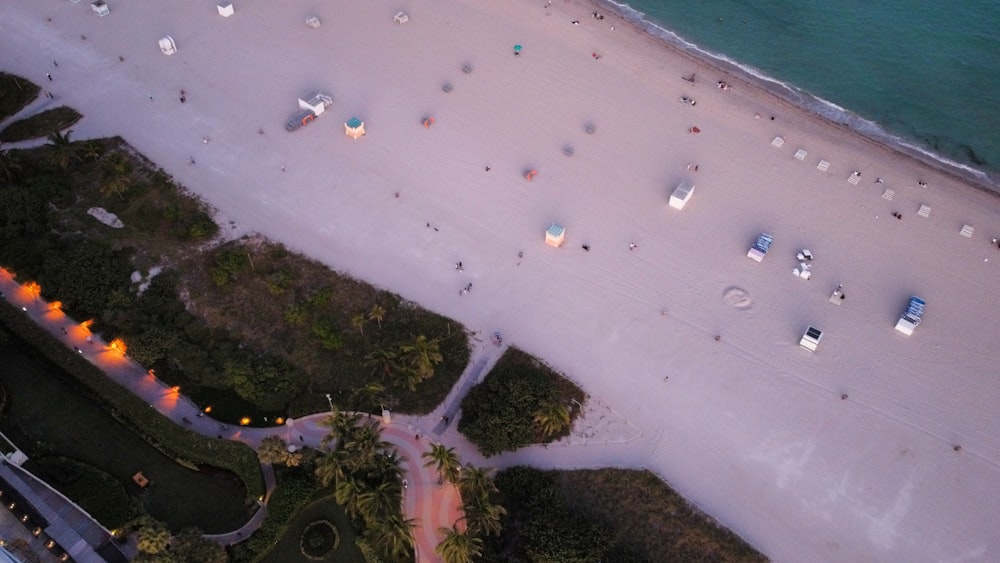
(750,427)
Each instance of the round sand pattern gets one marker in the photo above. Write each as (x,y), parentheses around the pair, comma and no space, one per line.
(737,297)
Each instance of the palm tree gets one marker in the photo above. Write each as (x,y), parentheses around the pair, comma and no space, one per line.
(483,517)
(422,354)
(63,151)
(367,398)
(387,467)
(116,175)
(10,165)
(475,483)
(393,536)
(364,444)
(340,423)
(445,461)
(383,362)
(358,322)
(458,547)
(552,417)
(332,467)
(153,537)
(377,314)
(347,494)
(409,378)
(380,502)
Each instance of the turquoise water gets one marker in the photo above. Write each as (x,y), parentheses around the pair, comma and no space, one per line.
(920,73)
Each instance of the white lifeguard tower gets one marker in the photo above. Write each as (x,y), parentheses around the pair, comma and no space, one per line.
(168,46)
(100,8)
(225,9)
(555,235)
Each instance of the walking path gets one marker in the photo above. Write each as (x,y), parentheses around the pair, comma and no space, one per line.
(602,437)
(433,505)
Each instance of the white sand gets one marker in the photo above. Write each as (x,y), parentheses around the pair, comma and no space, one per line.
(751,428)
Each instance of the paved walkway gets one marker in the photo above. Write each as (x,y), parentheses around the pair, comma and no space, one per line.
(432,505)
(601,438)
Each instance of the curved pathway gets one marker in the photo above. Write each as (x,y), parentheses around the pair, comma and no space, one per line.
(432,505)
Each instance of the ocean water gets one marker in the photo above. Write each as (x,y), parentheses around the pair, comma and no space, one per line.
(919,73)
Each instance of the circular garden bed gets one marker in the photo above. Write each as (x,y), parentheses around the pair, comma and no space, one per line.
(319,539)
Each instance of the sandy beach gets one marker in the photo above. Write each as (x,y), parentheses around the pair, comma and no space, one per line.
(750,427)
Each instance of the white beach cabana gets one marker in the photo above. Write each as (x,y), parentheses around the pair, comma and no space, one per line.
(354,128)
(555,235)
(167,45)
(225,9)
(682,194)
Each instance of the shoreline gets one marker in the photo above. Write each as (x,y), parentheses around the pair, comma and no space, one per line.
(802,100)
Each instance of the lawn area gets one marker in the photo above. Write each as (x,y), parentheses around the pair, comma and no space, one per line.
(49,413)
(323,507)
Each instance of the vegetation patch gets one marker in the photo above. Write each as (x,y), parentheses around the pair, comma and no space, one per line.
(521,401)
(319,540)
(40,124)
(605,515)
(339,333)
(15,94)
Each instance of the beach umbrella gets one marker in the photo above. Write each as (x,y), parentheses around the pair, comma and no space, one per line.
(517,50)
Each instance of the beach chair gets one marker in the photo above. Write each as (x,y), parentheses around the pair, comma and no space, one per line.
(823,166)
(837,297)
(966,231)
(777,142)
(801,154)
(888,194)
(854,178)
(924,211)
(313,22)
(401,18)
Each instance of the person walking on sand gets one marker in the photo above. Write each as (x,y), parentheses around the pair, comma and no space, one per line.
(632,246)
(49,76)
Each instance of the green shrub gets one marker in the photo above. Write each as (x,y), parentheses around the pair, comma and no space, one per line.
(40,124)
(509,408)
(15,94)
